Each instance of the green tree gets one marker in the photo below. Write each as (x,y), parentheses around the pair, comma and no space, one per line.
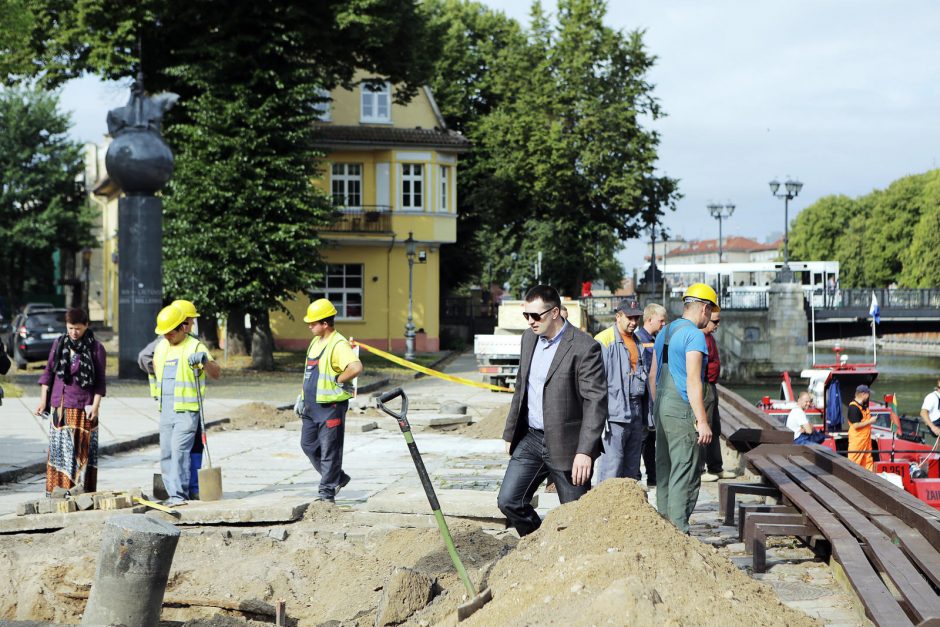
(564,165)
(241,210)
(42,208)
(919,259)
(817,228)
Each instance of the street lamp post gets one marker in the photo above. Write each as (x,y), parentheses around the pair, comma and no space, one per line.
(410,325)
(720,212)
(86,275)
(792,191)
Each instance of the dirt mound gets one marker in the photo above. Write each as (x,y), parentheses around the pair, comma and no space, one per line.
(611,555)
(257,415)
(490,427)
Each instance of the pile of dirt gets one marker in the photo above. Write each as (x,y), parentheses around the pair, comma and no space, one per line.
(490,427)
(257,415)
(611,555)
(329,568)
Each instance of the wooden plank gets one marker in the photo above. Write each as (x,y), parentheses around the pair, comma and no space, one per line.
(749,509)
(728,490)
(762,531)
(880,605)
(918,593)
(917,548)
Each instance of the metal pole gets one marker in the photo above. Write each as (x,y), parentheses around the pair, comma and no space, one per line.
(720,252)
(410,326)
(812,309)
(874,343)
(653,261)
(786,231)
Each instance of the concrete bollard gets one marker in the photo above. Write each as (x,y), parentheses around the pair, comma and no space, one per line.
(133,566)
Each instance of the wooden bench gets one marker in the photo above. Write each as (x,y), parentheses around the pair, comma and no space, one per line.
(875,533)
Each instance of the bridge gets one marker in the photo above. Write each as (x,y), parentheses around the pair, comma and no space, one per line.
(844,313)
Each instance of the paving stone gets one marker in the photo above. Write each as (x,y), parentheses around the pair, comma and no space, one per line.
(84,502)
(27,508)
(65,507)
(369,426)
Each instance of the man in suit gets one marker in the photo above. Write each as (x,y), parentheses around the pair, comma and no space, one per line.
(557,413)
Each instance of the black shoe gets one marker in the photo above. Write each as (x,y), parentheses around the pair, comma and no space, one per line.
(343,483)
(323,499)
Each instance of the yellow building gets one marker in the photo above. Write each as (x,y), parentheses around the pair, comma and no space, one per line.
(391,170)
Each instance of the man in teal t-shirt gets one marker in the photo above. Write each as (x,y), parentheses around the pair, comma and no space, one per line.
(676,386)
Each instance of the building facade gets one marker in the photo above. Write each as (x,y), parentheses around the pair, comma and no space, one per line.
(391,170)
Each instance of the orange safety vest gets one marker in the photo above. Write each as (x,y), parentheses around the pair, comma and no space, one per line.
(860,439)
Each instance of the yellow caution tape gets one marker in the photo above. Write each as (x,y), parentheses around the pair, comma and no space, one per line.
(434,373)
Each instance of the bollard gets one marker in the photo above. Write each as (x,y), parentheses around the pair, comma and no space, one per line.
(133,566)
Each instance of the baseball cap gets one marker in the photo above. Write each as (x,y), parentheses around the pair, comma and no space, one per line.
(629,307)
(863,389)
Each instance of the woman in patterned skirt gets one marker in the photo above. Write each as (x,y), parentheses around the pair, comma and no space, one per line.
(75,374)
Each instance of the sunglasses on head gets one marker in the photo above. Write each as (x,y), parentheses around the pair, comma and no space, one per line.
(535,316)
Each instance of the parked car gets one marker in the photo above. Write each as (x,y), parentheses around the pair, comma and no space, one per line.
(34,307)
(33,333)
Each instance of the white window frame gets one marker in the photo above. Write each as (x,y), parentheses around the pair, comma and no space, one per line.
(325,106)
(407,175)
(372,99)
(334,287)
(345,179)
(444,187)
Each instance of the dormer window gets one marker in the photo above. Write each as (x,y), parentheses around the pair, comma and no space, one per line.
(376,102)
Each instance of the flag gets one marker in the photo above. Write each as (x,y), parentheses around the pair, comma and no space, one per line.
(874,311)
(892,401)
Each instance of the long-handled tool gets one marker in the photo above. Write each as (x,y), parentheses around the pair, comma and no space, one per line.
(476,600)
(210,479)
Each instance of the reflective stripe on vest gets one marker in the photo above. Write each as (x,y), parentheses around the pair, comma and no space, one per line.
(328,388)
(184,389)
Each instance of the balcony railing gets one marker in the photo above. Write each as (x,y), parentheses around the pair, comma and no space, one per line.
(363,219)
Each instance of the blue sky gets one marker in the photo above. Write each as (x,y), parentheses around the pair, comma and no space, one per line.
(842,94)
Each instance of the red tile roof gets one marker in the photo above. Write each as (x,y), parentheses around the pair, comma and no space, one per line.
(339,136)
(734,243)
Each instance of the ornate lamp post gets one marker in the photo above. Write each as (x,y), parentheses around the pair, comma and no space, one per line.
(792,191)
(720,212)
(410,325)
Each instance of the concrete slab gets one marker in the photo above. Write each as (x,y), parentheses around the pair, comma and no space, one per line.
(51,522)
(255,509)
(433,419)
(398,499)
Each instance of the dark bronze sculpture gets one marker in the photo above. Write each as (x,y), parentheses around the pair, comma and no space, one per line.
(138,160)
(141,163)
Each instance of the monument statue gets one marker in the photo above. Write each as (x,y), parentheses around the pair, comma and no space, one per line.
(140,163)
(138,159)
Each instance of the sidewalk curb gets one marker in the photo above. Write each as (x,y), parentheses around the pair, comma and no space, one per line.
(11,476)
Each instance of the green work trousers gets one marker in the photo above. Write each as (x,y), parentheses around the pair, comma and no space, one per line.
(678,477)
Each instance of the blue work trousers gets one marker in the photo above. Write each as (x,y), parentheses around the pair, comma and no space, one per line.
(623,447)
(177,433)
(322,442)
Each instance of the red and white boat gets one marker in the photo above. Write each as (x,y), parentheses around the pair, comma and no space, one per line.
(899,453)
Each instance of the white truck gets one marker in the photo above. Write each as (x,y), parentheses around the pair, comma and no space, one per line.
(498,354)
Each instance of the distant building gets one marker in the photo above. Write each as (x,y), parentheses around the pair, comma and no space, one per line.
(735,249)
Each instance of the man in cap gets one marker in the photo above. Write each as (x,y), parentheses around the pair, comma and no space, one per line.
(677,389)
(180,363)
(627,394)
(331,366)
(860,422)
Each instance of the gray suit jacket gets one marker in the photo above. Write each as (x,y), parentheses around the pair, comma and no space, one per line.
(574,402)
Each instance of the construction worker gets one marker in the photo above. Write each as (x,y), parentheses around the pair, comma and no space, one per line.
(174,362)
(627,394)
(145,361)
(331,366)
(860,422)
(677,389)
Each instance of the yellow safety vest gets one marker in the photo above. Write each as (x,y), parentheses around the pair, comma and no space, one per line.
(328,388)
(184,390)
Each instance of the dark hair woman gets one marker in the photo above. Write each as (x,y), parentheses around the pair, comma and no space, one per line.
(75,376)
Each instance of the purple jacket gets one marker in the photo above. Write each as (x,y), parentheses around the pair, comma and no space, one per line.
(75,396)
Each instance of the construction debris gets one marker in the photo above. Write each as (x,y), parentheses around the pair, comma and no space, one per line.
(65,501)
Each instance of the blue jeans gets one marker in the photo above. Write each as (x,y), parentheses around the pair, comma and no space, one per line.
(528,468)
(817,437)
(623,447)
(177,433)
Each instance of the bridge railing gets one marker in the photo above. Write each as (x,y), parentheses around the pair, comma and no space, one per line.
(888,298)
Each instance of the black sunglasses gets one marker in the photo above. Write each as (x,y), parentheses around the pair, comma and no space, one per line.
(716,322)
(535,316)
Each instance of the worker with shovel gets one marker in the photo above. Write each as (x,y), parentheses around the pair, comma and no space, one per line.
(174,368)
(330,368)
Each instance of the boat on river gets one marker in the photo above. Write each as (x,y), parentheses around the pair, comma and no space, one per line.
(898,450)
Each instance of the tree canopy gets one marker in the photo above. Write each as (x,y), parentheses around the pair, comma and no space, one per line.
(41,197)
(881,238)
(562,163)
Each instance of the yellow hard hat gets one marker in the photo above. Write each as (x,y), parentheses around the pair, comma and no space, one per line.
(700,291)
(168,319)
(188,309)
(320,309)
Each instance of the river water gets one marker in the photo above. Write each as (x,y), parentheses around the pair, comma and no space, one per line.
(909,376)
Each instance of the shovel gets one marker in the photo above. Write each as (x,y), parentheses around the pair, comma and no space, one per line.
(210,479)
(476,600)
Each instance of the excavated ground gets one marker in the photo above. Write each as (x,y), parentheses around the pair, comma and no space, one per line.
(606,559)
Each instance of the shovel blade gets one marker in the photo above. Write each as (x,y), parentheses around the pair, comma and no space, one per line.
(467,609)
(210,484)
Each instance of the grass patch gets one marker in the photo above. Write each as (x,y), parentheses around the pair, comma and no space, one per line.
(10,389)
